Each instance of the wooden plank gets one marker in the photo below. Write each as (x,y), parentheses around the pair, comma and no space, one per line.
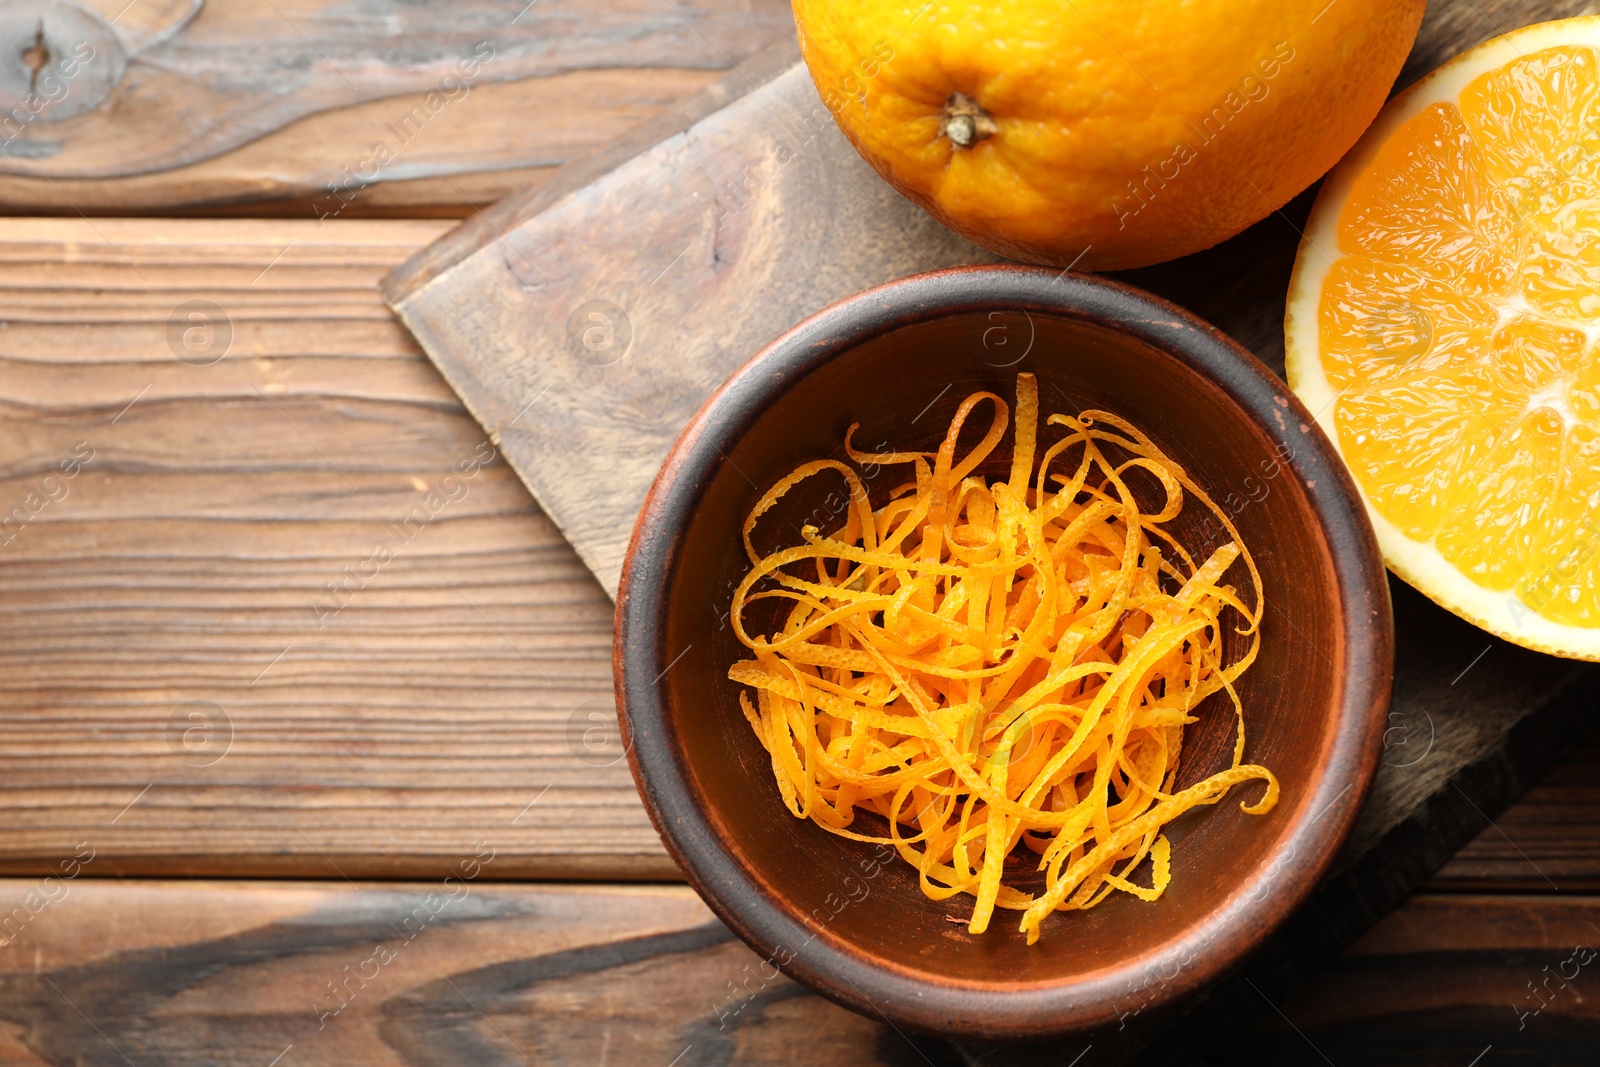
(1547,841)
(481,149)
(189,560)
(1446,979)
(174,106)
(155,496)
(197,538)
(168,973)
(229,973)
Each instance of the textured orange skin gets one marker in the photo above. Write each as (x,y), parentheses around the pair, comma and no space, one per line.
(1109,135)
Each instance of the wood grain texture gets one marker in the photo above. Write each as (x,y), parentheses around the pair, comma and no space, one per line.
(478,150)
(180,973)
(197,539)
(178,104)
(677,257)
(1445,979)
(475,972)
(416,726)
(1548,841)
(378,728)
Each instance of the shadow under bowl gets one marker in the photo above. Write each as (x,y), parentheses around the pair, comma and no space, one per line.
(849,920)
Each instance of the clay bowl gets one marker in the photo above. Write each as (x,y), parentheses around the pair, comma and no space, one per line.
(840,918)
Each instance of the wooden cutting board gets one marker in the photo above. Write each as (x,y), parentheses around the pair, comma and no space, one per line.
(583,323)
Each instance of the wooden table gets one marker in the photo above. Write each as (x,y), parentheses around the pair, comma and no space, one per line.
(274,796)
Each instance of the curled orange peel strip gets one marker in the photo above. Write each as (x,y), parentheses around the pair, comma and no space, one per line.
(1001,668)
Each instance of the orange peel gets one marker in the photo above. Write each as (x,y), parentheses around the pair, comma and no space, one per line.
(1000,669)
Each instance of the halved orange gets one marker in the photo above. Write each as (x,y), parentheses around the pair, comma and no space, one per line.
(1442,326)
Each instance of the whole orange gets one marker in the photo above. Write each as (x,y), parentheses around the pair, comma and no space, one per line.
(1103,133)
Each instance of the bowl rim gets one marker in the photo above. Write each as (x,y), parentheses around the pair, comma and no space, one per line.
(1207,948)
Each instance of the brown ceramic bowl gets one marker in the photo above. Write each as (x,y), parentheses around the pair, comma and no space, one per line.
(898,359)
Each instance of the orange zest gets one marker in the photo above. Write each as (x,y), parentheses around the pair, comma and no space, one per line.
(986,665)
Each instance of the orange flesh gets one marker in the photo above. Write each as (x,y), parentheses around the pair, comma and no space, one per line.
(1459,327)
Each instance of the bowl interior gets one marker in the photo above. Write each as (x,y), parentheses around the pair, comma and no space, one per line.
(903,387)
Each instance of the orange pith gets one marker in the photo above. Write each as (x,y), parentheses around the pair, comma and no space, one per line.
(1457,327)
